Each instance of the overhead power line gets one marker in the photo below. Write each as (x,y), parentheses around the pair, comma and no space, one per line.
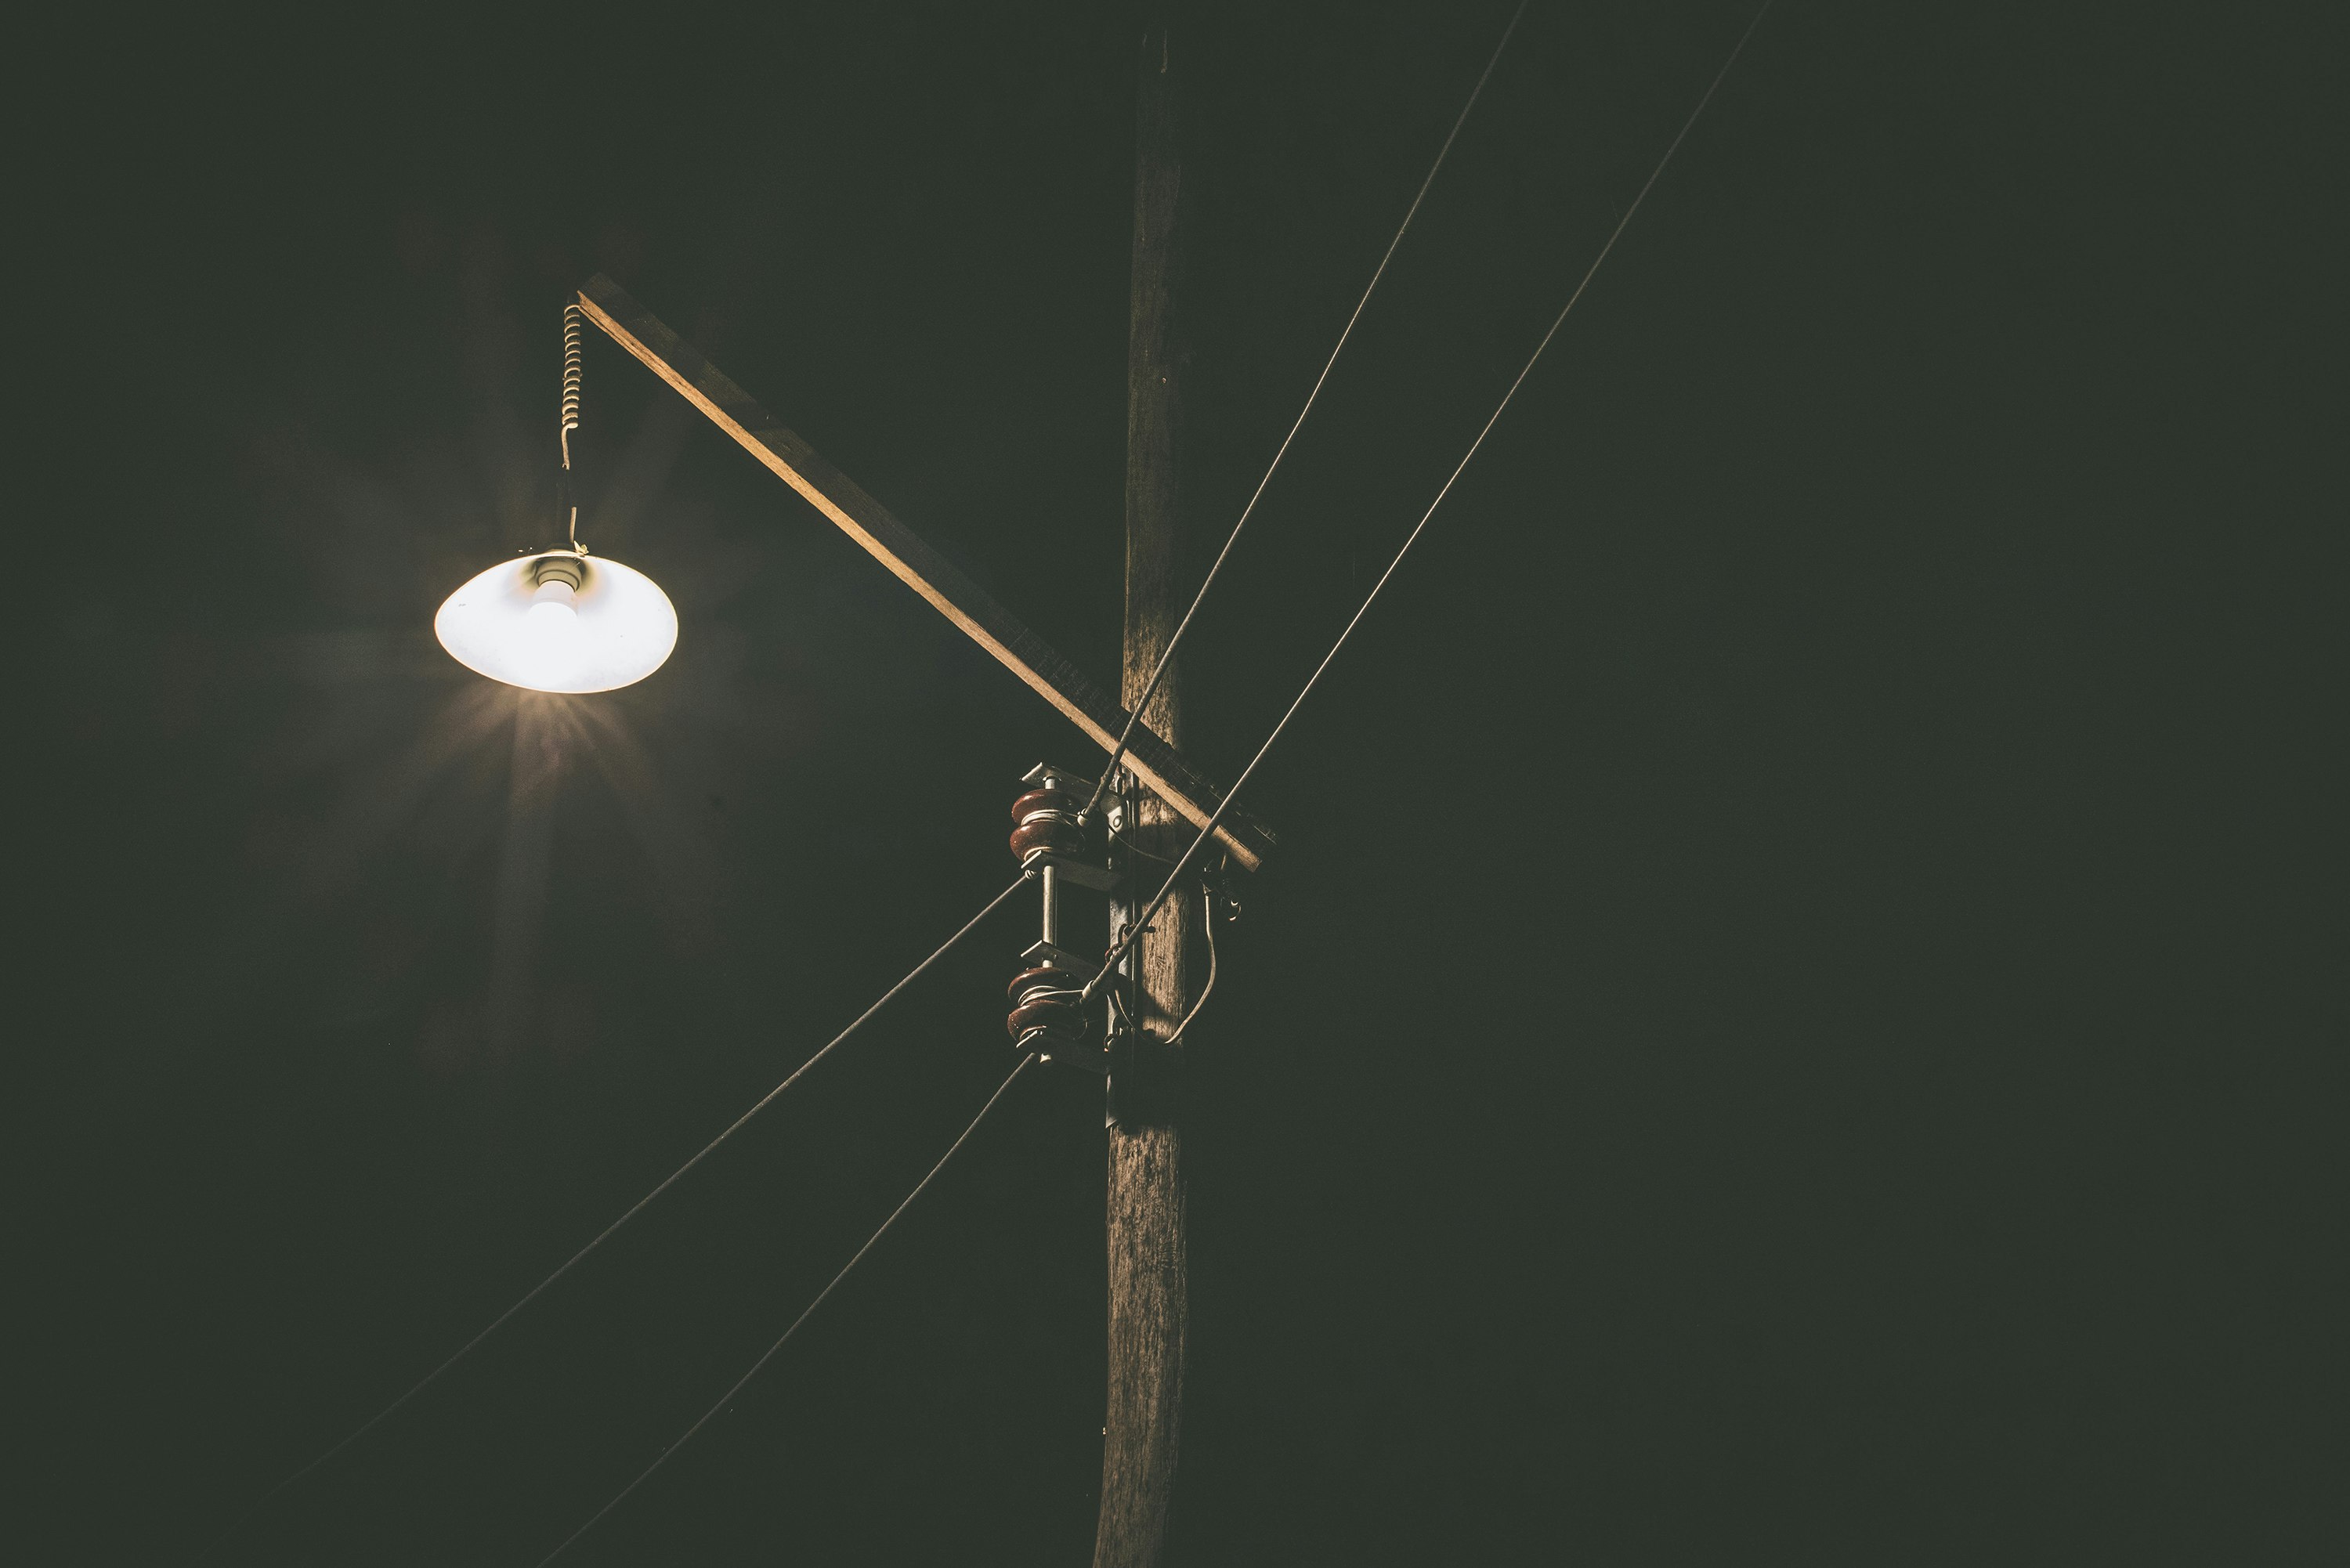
(1168,653)
(743,1382)
(1133,931)
(606,1234)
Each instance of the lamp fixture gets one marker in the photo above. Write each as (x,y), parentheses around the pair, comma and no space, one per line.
(560,620)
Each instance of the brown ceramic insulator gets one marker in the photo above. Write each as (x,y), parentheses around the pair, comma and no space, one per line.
(1046,833)
(1045,998)
(1037,799)
(1061,1019)
(1045,979)
(1047,819)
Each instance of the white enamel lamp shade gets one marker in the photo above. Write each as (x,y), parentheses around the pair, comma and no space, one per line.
(559,622)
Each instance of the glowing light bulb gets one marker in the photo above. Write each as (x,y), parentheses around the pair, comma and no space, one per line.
(551,608)
(559,622)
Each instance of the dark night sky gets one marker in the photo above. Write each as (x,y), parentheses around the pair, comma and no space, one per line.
(1791,1025)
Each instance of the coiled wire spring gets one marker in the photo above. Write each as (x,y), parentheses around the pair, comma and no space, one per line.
(574,327)
(573,330)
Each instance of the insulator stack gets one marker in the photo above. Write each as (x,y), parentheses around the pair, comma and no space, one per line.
(1045,1011)
(1053,842)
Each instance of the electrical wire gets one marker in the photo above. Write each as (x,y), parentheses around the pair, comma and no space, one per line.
(740,1384)
(1135,930)
(1208,919)
(606,1234)
(1123,842)
(1168,652)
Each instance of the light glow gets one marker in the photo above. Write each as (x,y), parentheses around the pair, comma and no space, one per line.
(524,622)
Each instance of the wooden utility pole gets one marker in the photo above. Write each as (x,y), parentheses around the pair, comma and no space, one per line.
(1149,1254)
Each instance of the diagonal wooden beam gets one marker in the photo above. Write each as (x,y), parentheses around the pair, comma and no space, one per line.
(1161,767)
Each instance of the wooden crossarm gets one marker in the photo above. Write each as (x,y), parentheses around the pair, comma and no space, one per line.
(1161,767)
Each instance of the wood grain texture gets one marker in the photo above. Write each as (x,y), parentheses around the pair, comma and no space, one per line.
(1163,769)
(1147,1212)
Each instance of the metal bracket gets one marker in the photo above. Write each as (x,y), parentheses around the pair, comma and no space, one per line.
(1123,988)
(1060,957)
(1100,878)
